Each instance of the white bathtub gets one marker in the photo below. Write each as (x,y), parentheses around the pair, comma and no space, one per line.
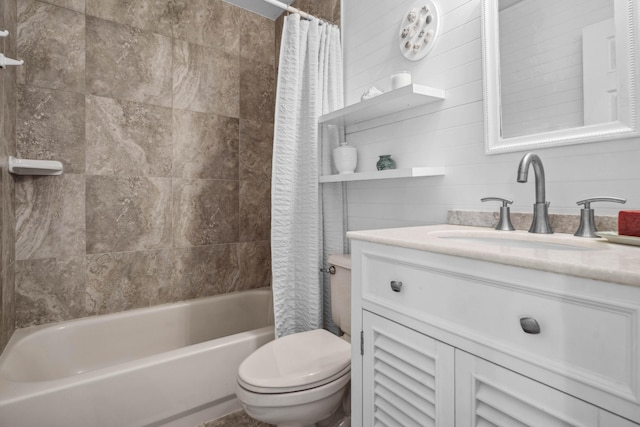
(172,365)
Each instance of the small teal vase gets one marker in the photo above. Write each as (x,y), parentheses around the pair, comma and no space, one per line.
(385,162)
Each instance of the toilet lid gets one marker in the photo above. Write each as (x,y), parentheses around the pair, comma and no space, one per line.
(296,362)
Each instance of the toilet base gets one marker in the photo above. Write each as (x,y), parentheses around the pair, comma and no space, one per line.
(301,409)
(295,413)
(340,418)
(337,419)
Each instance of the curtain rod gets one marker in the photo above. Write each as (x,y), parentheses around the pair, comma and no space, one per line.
(292,9)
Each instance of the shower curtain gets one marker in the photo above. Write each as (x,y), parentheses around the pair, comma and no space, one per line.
(309,85)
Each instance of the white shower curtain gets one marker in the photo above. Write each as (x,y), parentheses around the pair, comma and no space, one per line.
(309,85)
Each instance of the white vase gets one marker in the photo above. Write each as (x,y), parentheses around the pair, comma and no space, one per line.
(345,157)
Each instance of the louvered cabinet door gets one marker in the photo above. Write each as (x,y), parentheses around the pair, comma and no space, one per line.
(408,378)
(488,395)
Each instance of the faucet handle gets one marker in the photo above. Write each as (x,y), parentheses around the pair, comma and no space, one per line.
(504,223)
(587,227)
(505,202)
(587,202)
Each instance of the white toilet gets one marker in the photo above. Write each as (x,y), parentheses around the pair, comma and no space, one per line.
(303,379)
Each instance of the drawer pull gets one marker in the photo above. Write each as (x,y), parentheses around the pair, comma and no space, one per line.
(530,325)
(396,286)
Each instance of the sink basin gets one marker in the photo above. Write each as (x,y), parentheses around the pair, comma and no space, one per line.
(520,240)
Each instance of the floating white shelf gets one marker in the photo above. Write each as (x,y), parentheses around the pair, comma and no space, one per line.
(385,174)
(400,99)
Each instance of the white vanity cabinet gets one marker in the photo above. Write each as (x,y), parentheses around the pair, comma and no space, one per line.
(408,376)
(488,394)
(445,345)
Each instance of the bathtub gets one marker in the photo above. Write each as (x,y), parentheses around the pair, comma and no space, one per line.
(169,365)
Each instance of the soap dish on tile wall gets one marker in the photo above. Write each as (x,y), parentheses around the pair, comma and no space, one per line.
(34,167)
(419,30)
(4,61)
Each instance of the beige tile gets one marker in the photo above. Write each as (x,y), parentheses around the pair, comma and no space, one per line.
(329,10)
(255,265)
(207,270)
(278,41)
(205,80)
(128,213)
(257,91)
(7,260)
(127,138)
(324,9)
(256,150)
(156,16)
(205,145)
(51,40)
(255,210)
(210,23)
(51,126)
(302,4)
(337,13)
(205,212)
(257,35)
(7,257)
(8,15)
(8,102)
(50,218)
(77,5)
(125,63)
(125,280)
(167,194)
(8,106)
(50,290)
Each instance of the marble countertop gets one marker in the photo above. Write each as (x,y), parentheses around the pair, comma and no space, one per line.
(560,253)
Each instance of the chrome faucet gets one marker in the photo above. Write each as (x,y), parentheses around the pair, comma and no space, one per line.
(540,223)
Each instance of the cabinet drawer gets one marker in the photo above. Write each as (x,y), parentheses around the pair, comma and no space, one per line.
(591,340)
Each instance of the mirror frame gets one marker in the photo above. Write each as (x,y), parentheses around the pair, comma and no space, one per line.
(626,17)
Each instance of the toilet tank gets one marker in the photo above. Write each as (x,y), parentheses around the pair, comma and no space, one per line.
(341,291)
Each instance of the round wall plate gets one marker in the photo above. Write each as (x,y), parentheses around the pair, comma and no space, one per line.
(419,30)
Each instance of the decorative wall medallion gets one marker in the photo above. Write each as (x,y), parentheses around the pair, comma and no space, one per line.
(419,30)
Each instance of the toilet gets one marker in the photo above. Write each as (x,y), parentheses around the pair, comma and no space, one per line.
(303,379)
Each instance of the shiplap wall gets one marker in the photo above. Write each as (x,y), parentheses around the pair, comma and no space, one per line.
(541,71)
(451,133)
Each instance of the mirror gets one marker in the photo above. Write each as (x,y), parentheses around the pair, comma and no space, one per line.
(558,72)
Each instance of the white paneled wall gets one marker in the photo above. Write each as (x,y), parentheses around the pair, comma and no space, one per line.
(451,133)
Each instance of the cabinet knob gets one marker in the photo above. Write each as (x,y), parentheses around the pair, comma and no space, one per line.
(396,286)
(530,325)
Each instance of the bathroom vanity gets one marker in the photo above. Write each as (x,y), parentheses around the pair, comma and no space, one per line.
(465,326)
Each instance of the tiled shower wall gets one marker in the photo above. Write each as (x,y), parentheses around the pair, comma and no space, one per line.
(7,147)
(161,112)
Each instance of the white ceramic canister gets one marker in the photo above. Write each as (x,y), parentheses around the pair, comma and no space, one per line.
(399,79)
(345,157)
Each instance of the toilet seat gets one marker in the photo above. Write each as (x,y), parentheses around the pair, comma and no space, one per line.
(278,390)
(296,362)
(302,397)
